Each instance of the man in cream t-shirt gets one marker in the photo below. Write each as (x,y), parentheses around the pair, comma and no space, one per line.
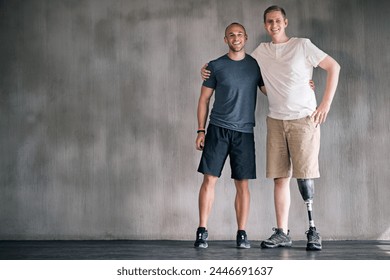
(293,121)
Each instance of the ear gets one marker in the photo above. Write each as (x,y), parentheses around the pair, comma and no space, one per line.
(286,22)
(225,39)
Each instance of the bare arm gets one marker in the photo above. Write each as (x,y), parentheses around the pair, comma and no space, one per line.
(202,113)
(333,70)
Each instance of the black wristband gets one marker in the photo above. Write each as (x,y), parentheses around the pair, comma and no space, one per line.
(201,130)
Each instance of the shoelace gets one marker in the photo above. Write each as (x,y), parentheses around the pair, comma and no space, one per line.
(277,236)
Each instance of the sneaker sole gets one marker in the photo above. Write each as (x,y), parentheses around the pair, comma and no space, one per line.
(243,246)
(313,247)
(271,246)
(202,246)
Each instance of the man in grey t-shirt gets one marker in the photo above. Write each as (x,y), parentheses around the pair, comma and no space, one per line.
(235,79)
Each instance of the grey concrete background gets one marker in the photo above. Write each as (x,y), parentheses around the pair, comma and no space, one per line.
(98,118)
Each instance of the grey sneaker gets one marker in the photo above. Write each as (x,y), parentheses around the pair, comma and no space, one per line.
(242,240)
(201,238)
(314,241)
(278,239)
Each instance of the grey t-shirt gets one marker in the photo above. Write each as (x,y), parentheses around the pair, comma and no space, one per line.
(235,84)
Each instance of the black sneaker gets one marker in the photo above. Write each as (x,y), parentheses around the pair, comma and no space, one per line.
(201,238)
(314,241)
(278,239)
(242,240)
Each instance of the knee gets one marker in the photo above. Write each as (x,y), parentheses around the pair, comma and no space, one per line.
(282,182)
(242,186)
(209,181)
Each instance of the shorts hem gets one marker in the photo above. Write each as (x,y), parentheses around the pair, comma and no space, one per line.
(209,173)
(274,175)
(306,176)
(251,178)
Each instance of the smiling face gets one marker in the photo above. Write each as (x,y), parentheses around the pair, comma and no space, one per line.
(275,24)
(235,37)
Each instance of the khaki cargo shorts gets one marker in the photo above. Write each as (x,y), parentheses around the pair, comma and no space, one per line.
(292,148)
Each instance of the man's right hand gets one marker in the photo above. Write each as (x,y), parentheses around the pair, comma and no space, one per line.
(204,72)
(200,141)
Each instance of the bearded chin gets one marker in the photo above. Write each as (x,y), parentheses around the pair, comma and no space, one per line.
(235,49)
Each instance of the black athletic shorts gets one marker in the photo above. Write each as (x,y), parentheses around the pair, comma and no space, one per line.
(222,142)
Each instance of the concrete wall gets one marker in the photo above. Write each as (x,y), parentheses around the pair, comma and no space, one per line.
(98,118)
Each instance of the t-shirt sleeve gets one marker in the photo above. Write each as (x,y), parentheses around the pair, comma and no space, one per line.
(313,54)
(211,82)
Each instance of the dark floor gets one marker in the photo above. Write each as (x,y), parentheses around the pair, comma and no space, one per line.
(183,250)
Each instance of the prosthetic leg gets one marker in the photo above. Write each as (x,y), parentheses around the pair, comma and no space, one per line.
(306,188)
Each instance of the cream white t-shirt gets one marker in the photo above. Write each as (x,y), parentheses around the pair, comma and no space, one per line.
(286,69)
